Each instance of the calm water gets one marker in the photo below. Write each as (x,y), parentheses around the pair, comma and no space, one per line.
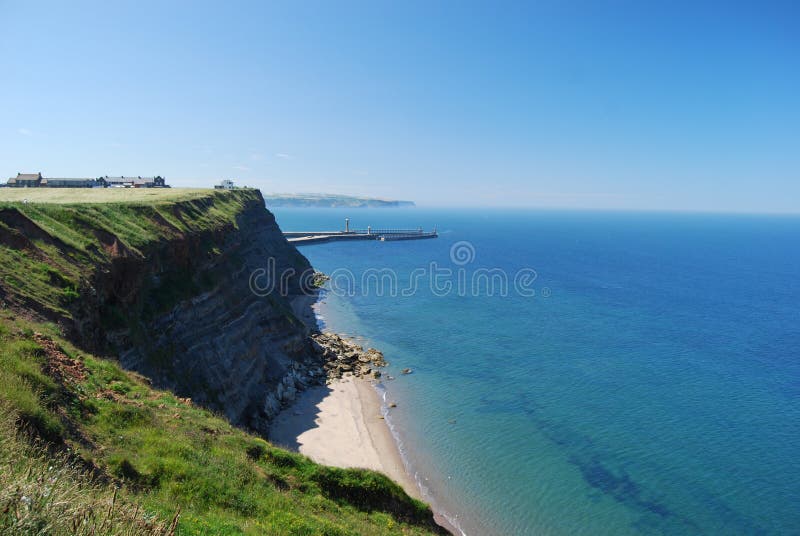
(651,386)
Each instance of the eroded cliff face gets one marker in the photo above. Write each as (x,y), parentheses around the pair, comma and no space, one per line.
(181,308)
(233,348)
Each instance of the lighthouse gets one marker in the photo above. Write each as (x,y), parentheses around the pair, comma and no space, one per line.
(347,225)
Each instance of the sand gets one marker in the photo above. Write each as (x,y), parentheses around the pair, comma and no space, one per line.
(341,425)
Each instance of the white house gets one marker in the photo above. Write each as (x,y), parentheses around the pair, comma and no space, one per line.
(225,184)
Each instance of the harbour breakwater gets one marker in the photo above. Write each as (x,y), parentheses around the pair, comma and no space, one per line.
(300,238)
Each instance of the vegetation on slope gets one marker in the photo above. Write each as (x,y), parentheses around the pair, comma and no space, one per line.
(166,454)
(102,427)
(45,263)
(42,493)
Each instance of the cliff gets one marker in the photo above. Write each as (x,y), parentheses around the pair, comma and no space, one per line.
(166,287)
(128,329)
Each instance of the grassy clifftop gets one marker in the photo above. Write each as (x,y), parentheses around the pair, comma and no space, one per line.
(101,427)
(52,239)
(125,196)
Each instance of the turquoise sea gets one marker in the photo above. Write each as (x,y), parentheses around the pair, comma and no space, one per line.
(650,385)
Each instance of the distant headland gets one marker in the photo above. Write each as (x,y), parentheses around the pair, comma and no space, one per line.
(331,201)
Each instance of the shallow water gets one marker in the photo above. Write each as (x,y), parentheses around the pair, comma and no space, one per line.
(650,386)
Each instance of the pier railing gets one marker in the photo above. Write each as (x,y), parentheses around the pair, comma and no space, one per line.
(300,238)
(387,231)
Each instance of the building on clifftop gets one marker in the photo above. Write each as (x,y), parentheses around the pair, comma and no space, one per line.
(225,184)
(25,180)
(68,183)
(35,180)
(133,182)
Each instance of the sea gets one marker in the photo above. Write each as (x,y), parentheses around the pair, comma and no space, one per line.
(578,372)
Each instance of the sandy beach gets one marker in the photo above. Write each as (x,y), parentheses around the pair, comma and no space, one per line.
(341,425)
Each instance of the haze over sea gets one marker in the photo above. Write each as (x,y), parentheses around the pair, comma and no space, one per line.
(651,385)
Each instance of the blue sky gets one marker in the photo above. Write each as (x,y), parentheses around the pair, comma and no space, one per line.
(632,105)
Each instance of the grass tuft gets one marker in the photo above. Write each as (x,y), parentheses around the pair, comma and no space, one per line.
(42,493)
(164,453)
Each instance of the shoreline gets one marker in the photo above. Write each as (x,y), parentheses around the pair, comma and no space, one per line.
(344,422)
(341,424)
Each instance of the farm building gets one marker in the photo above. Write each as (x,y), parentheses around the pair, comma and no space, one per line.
(68,183)
(35,180)
(25,180)
(133,182)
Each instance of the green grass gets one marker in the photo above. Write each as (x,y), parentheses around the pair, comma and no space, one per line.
(50,246)
(43,493)
(134,216)
(166,453)
(102,195)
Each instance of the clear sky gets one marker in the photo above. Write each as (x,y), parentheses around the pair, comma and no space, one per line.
(623,104)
